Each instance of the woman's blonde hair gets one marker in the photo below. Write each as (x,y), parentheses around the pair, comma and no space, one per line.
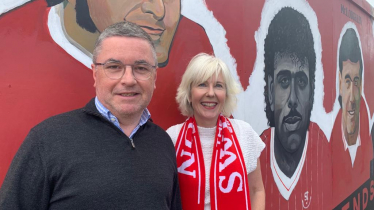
(199,70)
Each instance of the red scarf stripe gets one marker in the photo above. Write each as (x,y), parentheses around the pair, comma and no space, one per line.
(243,167)
(200,189)
(228,162)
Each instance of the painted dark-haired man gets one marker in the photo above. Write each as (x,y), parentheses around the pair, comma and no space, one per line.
(294,162)
(352,148)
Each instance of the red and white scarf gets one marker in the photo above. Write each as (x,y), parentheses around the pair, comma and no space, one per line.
(228,174)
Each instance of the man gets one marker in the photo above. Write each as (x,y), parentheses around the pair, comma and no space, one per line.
(352,148)
(107,155)
(295,159)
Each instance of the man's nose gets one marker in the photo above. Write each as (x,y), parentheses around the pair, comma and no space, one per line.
(352,95)
(351,92)
(128,77)
(155,7)
(292,102)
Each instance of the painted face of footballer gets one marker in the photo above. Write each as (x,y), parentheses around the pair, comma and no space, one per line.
(291,100)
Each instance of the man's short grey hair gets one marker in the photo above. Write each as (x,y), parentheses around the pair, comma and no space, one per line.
(200,69)
(123,29)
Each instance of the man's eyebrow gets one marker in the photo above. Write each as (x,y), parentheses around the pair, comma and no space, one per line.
(112,60)
(300,74)
(141,62)
(347,76)
(284,72)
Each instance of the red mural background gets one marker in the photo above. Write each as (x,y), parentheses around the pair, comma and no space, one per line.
(38,79)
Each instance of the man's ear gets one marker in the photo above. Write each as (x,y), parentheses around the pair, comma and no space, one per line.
(94,73)
(311,95)
(340,83)
(271,92)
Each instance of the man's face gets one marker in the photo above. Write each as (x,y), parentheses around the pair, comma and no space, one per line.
(159,18)
(350,91)
(291,94)
(125,96)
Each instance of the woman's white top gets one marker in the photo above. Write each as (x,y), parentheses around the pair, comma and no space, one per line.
(249,141)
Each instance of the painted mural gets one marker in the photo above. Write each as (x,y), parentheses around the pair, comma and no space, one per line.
(290,161)
(352,151)
(306,70)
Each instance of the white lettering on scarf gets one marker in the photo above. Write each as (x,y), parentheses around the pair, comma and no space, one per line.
(189,162)
(224,152)
(230,183)
(232,157)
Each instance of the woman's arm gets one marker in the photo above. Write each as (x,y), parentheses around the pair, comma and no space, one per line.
(256,188)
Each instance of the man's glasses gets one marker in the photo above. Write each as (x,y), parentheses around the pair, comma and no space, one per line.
(115,70)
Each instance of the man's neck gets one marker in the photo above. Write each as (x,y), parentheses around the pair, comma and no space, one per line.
(287,161)
(84,38)
(128,122)
(351,138)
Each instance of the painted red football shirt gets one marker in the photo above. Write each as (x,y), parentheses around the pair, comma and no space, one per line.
(347,178)
(310,186)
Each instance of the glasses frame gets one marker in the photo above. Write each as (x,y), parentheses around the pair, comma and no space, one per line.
(124,70)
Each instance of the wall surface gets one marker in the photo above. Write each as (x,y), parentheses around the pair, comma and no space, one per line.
(305,67)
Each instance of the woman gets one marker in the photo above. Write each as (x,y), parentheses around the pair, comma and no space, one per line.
(217,157)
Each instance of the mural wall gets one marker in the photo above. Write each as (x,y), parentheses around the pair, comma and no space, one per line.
(306,70)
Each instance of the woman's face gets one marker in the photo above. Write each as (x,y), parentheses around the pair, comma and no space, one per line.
(208,99)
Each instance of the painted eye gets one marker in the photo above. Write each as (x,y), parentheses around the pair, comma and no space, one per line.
(348,82)
(301,82)
(356,81)
(284,82)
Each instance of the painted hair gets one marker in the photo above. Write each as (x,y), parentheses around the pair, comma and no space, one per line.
(289,33)
(83,17)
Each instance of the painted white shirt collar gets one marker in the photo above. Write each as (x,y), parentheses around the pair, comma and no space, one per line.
(59,35)
(284,183)
(353,148)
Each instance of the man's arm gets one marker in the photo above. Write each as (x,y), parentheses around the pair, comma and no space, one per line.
(25,185)
(256,188)
(176,200)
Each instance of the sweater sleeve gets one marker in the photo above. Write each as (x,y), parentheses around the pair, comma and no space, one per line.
(176,202)
(25,185)
(173,132)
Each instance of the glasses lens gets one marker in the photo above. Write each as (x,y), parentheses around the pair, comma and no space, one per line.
(142,71)
(114,70)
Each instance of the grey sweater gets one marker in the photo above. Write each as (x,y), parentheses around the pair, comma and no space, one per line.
(80,160)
